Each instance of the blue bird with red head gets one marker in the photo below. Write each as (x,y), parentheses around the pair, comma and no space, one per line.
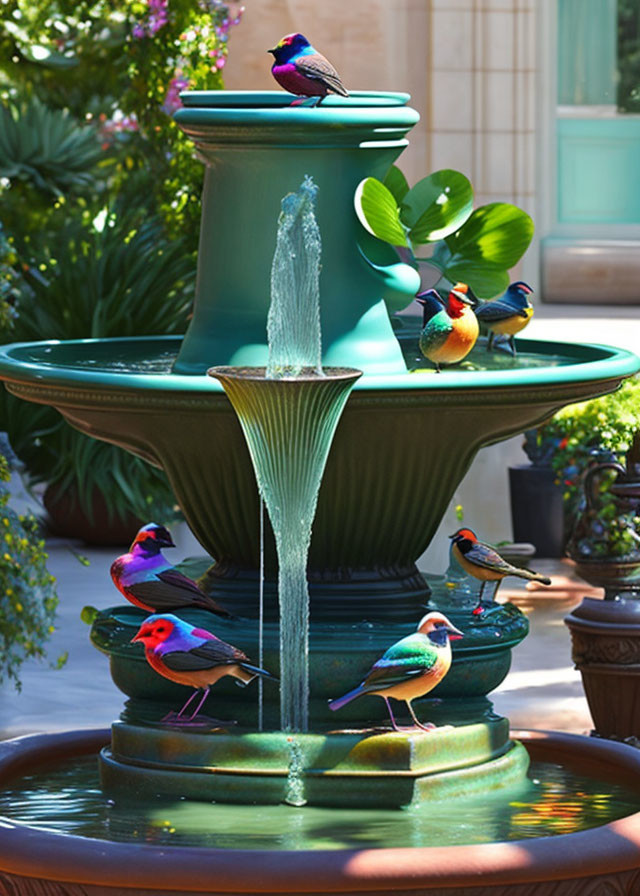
(301,70)
(192,656)
(146,578)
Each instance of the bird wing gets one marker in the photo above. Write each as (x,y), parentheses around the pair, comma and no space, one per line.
(318,68)
(210,653)
(496,311)
(483,555)
(411,656)
(169,590)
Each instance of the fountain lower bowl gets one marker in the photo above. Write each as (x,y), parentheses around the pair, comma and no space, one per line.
(601,860)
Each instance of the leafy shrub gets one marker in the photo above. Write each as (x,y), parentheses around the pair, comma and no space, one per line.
(597,431)
(28,599)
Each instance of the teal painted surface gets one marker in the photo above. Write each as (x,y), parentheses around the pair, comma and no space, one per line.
(256,148)
(587,52)
(144,363)
(598,170)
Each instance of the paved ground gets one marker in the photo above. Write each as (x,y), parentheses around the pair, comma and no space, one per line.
(541,691)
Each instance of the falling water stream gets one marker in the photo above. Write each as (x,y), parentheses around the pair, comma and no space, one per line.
(289,413)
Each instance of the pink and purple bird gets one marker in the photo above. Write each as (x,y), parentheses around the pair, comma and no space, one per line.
(301,70)
(147,579)
(193,657)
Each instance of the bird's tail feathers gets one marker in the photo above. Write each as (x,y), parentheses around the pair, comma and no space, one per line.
(256,670)
(339,702)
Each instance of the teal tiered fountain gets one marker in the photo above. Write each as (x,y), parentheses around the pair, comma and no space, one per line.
(402,445)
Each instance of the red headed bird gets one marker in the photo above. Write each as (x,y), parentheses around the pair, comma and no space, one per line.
(484,563)
(147,579)
(449,327)
(193,657)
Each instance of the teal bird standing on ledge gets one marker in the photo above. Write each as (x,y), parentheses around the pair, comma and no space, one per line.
(485,564)
(508,314)
(449,328)
(410,668)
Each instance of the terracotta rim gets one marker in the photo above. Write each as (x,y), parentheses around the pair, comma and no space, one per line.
(611,848)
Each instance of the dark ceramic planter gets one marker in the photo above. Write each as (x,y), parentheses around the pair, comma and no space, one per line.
(537,512)
(605,640)
(604,860)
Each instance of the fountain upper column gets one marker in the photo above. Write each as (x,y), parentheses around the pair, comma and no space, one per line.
(256,148)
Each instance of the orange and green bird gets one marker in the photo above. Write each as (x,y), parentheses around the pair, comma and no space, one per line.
(508,314)
(485,564)
(410,668)
(449,327)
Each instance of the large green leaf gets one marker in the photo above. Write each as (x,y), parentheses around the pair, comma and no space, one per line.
(378,211)
(484,279)
(437,206)
(498,234)
(396,182)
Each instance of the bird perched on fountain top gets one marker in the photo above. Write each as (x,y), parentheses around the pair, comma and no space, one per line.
(147,579)
(301,70)
(449,327)
(410,668)
(484,563)
(508,314)
(192,656)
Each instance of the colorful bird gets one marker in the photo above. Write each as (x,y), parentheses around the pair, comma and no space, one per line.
(410,668)
(508,314)
(301,70)
(147,579)
(450,328)
(484,563)
(192,656)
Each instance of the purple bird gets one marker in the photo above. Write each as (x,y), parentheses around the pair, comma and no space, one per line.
(147,579)
(192,656)
(302,70)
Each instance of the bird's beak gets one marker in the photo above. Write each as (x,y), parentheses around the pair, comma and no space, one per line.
(135,638)
(454,633)
(462,297)
(272,50)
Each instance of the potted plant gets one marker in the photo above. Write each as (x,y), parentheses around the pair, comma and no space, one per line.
(596,463)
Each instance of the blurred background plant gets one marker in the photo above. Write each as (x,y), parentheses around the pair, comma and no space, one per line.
(28,597)
(604,430)
(99,203)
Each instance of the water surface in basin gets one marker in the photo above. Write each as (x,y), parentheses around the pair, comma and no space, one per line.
(157,357)
(67,799)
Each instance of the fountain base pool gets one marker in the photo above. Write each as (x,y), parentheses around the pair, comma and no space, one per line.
(36,857)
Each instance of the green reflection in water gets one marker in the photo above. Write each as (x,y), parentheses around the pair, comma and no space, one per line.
(67,799)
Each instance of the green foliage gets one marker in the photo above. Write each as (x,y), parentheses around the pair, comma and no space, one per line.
(475,247)
(122,280)
(46,147)
(601,430)
(28,599)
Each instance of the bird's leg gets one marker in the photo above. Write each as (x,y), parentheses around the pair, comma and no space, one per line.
(438,370)
(478,609)
(428,727)
(199,706)
(490,340)
(512,345)
(173,715)
(396,727)
(316,104)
